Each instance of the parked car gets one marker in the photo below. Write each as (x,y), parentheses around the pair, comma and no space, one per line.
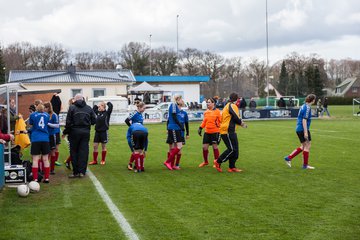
(164,106)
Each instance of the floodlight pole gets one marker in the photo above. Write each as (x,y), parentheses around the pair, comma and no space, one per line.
(177,36)
(267,56)
(150,53)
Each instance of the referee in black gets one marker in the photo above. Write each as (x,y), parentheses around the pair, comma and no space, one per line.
(79,119)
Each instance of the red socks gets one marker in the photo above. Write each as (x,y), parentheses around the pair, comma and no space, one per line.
(103,155)
(47,173)
(35,173)
(142,162)
(205,155)
(172,155)
(178,157)
(137,161)
(56,156)
(305,158)
(52,163)
(95,155)
(295,153)
(132,158)
(216,153)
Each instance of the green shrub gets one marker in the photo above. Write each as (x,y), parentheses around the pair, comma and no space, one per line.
(340,100)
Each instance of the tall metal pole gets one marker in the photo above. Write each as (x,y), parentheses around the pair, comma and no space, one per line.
(177,36)
(150,55)
(267,56)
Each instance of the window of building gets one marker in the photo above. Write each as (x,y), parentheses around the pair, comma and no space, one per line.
(354,89)
(75,91)
(98,92)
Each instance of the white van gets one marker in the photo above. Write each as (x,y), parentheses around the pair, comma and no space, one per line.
(119,103)
(164,106)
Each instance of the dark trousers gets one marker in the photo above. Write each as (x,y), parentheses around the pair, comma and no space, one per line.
(232,149)
(79,149)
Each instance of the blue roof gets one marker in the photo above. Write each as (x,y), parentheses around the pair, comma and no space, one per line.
(172,78)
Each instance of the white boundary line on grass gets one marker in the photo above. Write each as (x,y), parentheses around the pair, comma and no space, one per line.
(119,217)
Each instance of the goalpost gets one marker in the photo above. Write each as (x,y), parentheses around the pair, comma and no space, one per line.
(356,106)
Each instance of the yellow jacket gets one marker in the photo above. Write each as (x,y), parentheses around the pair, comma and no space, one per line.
(229,119)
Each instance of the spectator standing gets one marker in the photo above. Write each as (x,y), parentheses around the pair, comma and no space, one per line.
(243,104)
(319,107)
(291,103)
(281,103)
(325,107)
(79,119)
(252,104)
(204,104)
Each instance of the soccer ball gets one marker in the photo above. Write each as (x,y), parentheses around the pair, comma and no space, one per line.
(23,190)
(34,186)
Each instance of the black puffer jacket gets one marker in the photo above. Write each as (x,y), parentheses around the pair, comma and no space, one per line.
(79,116)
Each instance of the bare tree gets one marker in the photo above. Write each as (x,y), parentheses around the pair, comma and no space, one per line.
(233,75)
(83,60)
(135,56)
(164,60)
(191,61)
(212,65)
(256,71)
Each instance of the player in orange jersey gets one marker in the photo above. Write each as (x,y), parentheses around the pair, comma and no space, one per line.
(211,123)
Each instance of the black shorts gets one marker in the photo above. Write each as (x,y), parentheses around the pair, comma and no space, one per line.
(174,136)
(58,138)
(101,137)
(211,138)
(301,136)
(138,140)
(52,141)
(40,148)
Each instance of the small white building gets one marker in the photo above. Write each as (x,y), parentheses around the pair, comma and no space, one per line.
(186,86)
(90,83)
(95,83)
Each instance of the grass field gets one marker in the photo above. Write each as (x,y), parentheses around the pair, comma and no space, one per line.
(267,201)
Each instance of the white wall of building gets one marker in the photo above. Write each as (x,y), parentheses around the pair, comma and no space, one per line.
(190,92)
(111,89)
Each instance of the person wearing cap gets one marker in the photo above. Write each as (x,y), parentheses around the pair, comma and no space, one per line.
(229,120)
(211,123)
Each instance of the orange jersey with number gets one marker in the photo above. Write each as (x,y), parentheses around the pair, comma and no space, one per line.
(211,121)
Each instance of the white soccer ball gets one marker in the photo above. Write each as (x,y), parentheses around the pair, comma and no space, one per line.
(23,190)
(34,186)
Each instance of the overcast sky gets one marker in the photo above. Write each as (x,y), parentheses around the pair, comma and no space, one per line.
(330,28)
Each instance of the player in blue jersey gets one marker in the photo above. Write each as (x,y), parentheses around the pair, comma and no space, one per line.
(40,141)
(135,117)
(303,132)
(184,121)
(137,136)
(53,128)
(174,128)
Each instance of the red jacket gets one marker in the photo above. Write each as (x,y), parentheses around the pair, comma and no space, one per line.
(5,137)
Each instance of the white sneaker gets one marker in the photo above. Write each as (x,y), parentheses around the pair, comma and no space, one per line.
(309,167)
(287,161)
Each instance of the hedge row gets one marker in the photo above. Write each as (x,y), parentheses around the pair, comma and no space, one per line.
(340,100)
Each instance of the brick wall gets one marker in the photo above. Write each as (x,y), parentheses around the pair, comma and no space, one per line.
(25,100)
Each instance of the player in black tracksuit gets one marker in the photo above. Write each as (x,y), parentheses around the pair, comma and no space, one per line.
(101,130)
(79,119)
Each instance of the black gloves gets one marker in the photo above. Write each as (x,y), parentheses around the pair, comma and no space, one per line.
(199,131)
